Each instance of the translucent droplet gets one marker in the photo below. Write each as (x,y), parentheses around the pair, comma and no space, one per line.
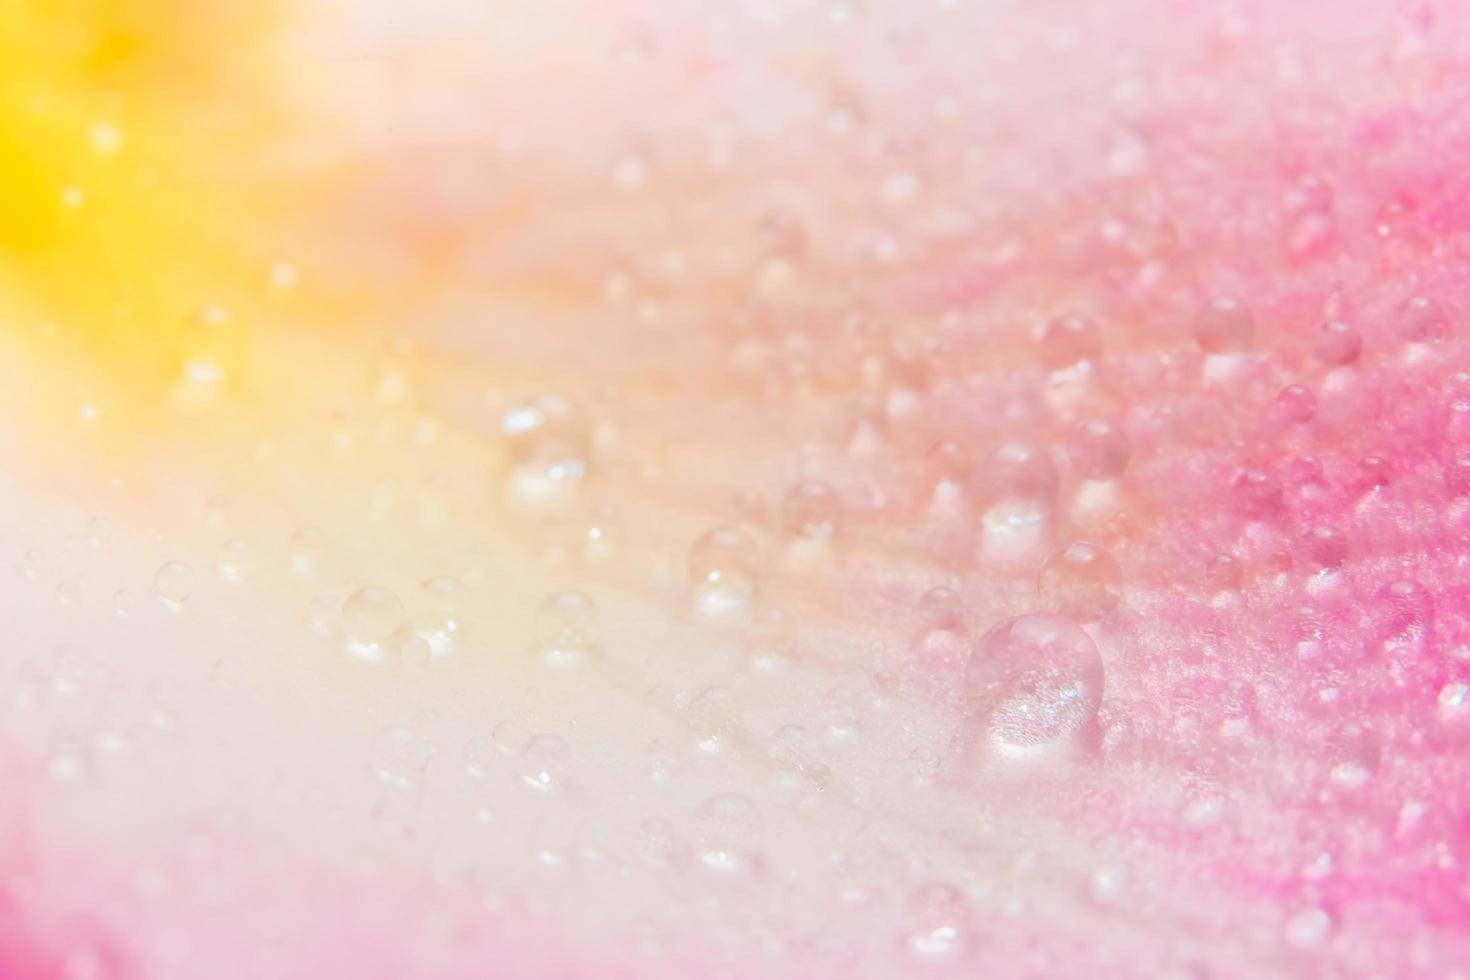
(1309,928)
(1016,471)
(99,531)
(1327,546)
(1032,681)
(724,569)
(1295,405)
(371,615)
(401,757)
(728,831)
(1224,574)
(811,509)
(1422,320)
(936,917)
(1457,473)
(305,550)
(567,631)
(1082,581)
(549,442)
(1068,340)
(234,560)
(941,608)
(1098,450)
(439,621)
(1337,343)
(1256,494)
(545,763)
(173,582)
(1224,325)
(213,347)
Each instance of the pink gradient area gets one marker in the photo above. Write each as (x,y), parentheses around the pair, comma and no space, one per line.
(1282,753)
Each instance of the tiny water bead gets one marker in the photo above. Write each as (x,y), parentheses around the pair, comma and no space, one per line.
(550,443)
(1098,450)
(724,569)
(811,509)
(1337,343)
(371,615)
(567,630)
(1069,339)
(1224,325)
(1033,681)
(1082,582)
(173,582)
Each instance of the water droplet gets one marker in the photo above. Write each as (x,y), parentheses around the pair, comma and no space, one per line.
(99,531)
(1033,681)
(371,615)
(728,830)
(1337,343)
(549,442)
(173,582)
(1309,928)
(1327,546)
(438,621)
(1098,450)
(1224,574)
(1457,473)
(941,608)
(305,549)
(1295,405)
(1422,320)
(899,189)
(811,509)
(234,561)
(724,569)
(1068,340)
(1082,581)
(1016,471)
(401,757)
(567,632)
(1224,325)
(936,917)
(545,763)
(1256,494)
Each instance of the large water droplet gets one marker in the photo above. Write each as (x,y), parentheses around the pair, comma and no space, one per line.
(1033,681)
